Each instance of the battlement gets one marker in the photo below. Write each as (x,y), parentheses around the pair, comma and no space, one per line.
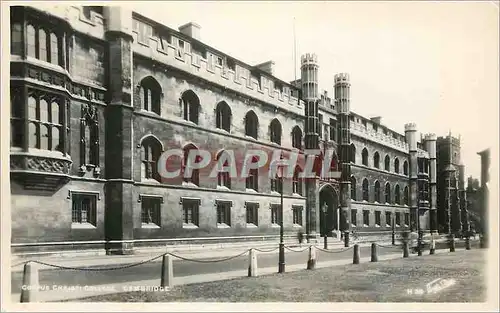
(342,78)
(410,127)
(388,140)
(309,59)
(430,137)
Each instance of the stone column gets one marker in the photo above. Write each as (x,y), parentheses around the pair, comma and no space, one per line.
(411,139)
(430,143)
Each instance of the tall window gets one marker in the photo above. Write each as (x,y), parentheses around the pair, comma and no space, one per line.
(223,178)
(194,178)
(224,212)
(387,163)
(84,208)
(16,117)
(353,188)
(352,156)
(333,130)
(89,136)
(297,215)
(275,214)
(388,219)
(54,49)
(190,212)
(150,94)
(252,180)
(31,41)
(365,190)
(377,218)
(387,193)
(223,116)
(41,43)
(406,197)
(150,210)
(190,106)
(354,218)
(275,131)
(16,39)
(366,217)
(376,160)
(397,196)
(398,219)
(252,210)
(251,124)
(377,191)
(277,184)
(396,165)
(45,121)
(297,181)
(150,153)
(320,125)
(297,137)
(405,167)
(364,156)
(407,219)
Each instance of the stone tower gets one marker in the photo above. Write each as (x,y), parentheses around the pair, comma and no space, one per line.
(310,95)
(342,103)
(430,147)
(464,214)
(411,139)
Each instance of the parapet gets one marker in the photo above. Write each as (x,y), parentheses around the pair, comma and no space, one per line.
(430,137)
(309,58)
(341,78)
(410,127)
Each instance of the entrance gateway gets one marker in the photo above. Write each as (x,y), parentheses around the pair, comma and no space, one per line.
(330,219)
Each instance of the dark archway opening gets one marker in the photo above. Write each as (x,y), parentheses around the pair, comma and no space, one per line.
(329,220)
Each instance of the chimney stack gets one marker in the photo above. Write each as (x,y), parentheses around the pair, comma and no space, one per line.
(267,67)
(376,119)
(191,29)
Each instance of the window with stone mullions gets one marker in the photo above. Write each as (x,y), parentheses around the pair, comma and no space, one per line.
(190,211)
(297,215)
(43,44)
(44,121)
(83,208)
(150,210)
(275,214)
(252,210)
(224,212)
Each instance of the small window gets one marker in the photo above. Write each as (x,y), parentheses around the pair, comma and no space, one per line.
(366,218)
(252,213)
(297,215)
(354,217)
(190,212)
(377,218)
(150,210)
(84,209)
(275,214)
(224,213)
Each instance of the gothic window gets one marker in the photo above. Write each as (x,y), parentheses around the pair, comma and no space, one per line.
(387,163)
(223,178)
(365,190)
(406,196)
(45,121)
(89,127)
(31,39)
(251,124)
(16,118)
(275,131)
(364,155)
(252,180)
(194,178)
(223,116)
(54,49)
(376,160)
(405,167)
(297,137)
(396,166)
(353,188)
(42,45)
(150,94)
(297,181)
(377,191)
(190,106)
(397,196)
(353,154)
(150,153)
(16,39)
(387,193)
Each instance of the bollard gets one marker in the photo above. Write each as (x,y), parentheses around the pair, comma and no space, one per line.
(355,256)
(167,271)
(482,243)
(311,262)
(406,250)
(252,263)
(467,243)
(433,246)
(30,282)
(452,243)
(374,252)
(346,239)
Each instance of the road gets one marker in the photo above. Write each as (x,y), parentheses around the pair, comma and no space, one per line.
(183,268)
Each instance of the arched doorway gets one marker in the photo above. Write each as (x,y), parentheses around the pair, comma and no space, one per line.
(329,221)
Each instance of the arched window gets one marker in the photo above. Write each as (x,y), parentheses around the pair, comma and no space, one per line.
(397,198)
(377,191)
(252,180)
(195,174)
(387,193)
(297,137)
(190,106)
(376,160)
(405,167)
(54,49)
(396,165)
(223,116)
(42,45)
(364,156)
(353,188)
(44,115)
(297,181)
(31,39)
(352,156)
(223,178)
(366,196)
(150,94)
(251,124)
(16,39)
(275,131)
(150,153)
(406,196)
(387,163)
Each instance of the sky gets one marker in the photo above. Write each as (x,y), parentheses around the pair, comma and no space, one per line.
(431,63)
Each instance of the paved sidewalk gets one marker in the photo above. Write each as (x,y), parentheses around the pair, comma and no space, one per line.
(88,291)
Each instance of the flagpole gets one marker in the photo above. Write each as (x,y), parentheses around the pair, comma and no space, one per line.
(294,51)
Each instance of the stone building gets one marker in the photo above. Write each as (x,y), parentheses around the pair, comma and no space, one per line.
(98,93)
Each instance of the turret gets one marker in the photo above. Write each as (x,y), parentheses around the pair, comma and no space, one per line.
(411,139)
(430,147)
